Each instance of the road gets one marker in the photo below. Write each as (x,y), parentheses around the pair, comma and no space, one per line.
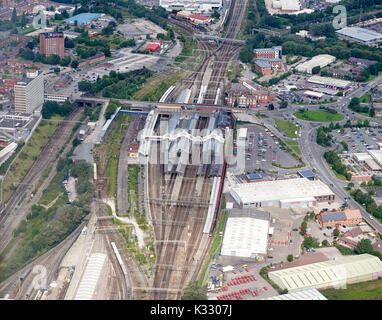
(312,153)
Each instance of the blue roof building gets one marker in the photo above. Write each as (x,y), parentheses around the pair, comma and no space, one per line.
(82,19)
(309,174)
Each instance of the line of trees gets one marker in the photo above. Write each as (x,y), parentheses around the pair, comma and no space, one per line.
(334,160)
(366,200)
(322,138)
(355,105)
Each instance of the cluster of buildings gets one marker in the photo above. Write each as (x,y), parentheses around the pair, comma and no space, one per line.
(246,94)
(268,60)
(352,237)
(195,18)
(363,166)
(352,68)
(196,6)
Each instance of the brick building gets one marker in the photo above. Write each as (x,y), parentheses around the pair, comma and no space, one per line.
(52,43)
(99,56)
(267,65)
(249,95)
(268,53)
(347,217)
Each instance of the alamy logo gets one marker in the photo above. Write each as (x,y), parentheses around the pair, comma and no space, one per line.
(341,275)
(340,21)
(39,21)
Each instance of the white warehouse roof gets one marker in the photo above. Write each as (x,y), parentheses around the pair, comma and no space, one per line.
(322,60)
(287,5)
(377,156)
(310,294)
(360,34)
(329,81)
(246,233)
(362,156)
(286,189)
(91,275)
(332,273)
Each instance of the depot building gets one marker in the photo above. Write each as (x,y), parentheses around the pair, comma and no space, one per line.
(286,193)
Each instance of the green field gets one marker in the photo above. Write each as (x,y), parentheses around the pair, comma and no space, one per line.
(28,154)
(365,98)
(318,116)
(370,290)
(287,127)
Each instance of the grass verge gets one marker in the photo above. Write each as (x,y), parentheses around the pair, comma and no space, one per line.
(369,290)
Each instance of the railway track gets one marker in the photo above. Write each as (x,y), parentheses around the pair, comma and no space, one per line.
(225,52)
(179,249)
(178,256)
(44,160)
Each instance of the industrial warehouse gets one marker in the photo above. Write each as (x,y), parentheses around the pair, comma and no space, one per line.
(332,273)
(246,234)
(321,61)
(287,193)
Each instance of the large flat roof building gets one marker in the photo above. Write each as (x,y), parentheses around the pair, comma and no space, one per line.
(195,6)
(330,82)
(287,5)
(246,233)
(322,60)
(82,19)
(287,193)
(361,35)
(377,156)
(331,273)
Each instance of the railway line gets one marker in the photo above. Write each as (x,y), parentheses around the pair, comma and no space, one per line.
(176,247)
(196,76)
(44,160)
(225,52)
(178,243)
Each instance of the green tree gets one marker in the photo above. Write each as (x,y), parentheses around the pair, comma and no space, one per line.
(304,226)
(336,232)
(216,14)
(364,246)
(290,257)
(316,70)
(74,64)
(283,104)
(310,242)
(195,291)
(14,16)
(325,243)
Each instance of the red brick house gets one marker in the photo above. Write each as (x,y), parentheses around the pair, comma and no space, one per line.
(249,95)
(347,217)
